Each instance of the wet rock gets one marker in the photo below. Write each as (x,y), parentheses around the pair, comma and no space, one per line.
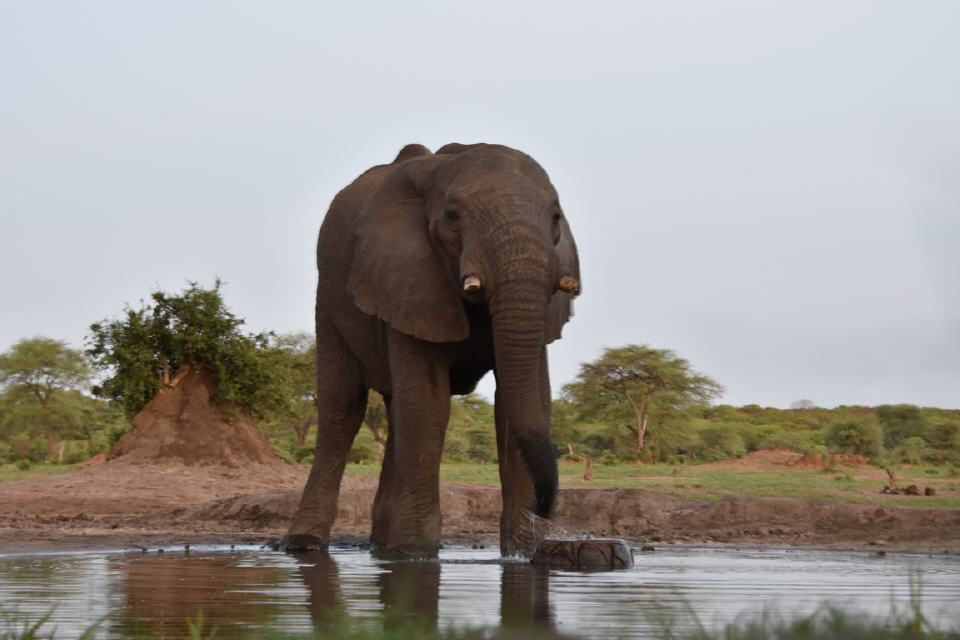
(929,491)
(595,554)
(648,547)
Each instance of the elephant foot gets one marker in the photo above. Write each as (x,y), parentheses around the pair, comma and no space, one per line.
(302,543)
(592,554)
(520,534)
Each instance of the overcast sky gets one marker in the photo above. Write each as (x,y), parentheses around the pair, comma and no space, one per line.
(771,189)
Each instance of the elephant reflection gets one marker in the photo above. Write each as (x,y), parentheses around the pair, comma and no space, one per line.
(163,592)
(410,595)
(322,578)
(525,598)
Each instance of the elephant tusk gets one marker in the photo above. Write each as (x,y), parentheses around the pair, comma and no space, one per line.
(569,284)
(471,284)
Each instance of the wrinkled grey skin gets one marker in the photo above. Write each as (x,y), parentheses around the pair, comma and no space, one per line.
(392,315)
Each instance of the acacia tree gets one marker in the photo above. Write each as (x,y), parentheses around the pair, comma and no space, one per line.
(298,355)
(40,380)
(636,376)
(149,347)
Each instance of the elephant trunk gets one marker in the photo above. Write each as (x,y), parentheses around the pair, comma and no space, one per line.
(518,310)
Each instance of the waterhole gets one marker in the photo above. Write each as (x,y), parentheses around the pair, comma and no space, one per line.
(136,594)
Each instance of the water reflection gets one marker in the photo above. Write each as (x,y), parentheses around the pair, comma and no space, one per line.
(154,595)
(410,594)
(322,578)
(525,597)
(162,592)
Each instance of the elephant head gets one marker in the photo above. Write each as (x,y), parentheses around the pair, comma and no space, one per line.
(474,224)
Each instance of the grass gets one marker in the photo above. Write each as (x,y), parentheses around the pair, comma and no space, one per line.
(701,482)
(827,623)
(705,482)
(11,471)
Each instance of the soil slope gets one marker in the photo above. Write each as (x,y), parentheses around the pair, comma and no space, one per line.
(118,504)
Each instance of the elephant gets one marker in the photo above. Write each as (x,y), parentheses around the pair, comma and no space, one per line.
(434,270)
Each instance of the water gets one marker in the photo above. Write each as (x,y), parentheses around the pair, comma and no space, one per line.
(152,594)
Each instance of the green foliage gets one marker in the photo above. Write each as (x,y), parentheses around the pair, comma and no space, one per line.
(150,345)
(471,433)
(720,442)
(638,387)
(41,403)
(901,421)
(911,450)
(865,438)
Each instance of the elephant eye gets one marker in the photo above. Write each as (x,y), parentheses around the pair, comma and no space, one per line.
(452,216)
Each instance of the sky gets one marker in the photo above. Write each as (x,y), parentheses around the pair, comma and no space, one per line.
(772,190)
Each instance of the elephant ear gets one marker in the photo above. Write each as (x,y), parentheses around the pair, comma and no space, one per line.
(396,273)
(560,308)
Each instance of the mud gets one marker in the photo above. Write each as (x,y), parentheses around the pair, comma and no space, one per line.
(120,504)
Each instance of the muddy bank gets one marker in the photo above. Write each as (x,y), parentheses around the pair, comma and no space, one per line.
(118,505)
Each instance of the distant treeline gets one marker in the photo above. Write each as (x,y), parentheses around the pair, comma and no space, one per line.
(633,402)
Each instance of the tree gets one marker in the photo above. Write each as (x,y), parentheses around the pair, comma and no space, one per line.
(804,404)
(150,346)
(298,353)
(865,438)
(901,421)
(40,379)
(636,376)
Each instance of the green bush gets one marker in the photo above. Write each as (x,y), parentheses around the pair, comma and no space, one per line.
(361,453)
(303,455)
(911,450)
(38,450)
(717,443)
(481,444)
(364,449)
(24,465)
(7,453)
(865,438)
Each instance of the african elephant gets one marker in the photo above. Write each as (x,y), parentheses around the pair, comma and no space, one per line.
(433,270)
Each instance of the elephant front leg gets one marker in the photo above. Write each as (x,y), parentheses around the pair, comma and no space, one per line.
(407,510)
(341,404)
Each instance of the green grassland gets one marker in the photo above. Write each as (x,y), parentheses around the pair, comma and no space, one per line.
(13,471)
(701,482)
(707,482)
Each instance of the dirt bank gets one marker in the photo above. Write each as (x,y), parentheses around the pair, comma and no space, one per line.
(119,504)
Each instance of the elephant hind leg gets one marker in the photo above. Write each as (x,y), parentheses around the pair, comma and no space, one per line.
(383,502)
(341,405)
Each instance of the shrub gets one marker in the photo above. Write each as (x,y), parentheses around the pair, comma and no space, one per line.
(360,453)
(38,450)
(24,465)
(911,450)
(865,438)
(482,444)
(720,442)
